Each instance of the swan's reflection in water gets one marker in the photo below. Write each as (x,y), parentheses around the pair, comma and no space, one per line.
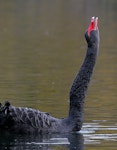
(91,134)
(72,141)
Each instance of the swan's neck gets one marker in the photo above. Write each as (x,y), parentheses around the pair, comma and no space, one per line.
(79,87)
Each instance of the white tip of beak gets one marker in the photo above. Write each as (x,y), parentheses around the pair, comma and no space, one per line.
(92,19)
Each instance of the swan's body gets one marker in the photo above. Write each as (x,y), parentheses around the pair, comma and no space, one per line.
(27,120)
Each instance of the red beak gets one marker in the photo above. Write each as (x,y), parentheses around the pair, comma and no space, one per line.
(93,25)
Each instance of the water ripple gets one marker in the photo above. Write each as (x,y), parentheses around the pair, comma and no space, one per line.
(95,133)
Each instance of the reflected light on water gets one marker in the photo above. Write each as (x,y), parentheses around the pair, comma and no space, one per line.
(94,133)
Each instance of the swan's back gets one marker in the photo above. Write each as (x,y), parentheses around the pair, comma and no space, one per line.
(26,120)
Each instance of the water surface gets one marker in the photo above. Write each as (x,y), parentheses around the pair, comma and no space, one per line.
(42,46)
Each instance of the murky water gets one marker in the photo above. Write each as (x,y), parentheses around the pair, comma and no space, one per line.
(42,46)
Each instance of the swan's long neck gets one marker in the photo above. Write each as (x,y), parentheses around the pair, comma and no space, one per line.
(80,85)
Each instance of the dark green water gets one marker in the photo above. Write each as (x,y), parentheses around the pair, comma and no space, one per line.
(42,46)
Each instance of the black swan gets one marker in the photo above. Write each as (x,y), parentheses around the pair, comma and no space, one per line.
(27,120)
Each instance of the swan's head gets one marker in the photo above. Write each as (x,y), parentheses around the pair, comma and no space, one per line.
(92,33)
